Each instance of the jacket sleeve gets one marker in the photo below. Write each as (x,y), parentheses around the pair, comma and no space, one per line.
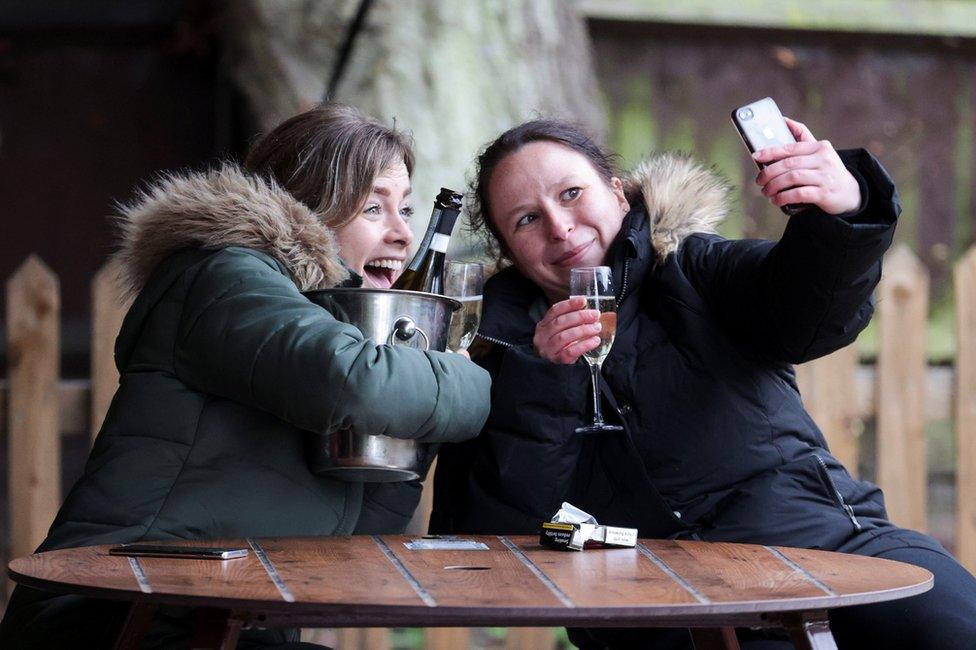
(248,334)
(810,293)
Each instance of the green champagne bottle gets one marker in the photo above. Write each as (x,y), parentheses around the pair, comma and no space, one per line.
(425,272)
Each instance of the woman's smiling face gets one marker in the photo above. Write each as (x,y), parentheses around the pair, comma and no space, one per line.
(554,212)
(375,243)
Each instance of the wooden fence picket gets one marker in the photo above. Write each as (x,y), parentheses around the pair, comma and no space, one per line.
(965,411)
(34,432)
(903,298)
(829,390)
(108,311)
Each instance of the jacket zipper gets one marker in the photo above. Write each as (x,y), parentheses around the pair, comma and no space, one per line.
(491,339)
(623,286)
(840,499)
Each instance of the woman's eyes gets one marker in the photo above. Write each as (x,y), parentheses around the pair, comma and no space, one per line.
(569,194)
(375,209)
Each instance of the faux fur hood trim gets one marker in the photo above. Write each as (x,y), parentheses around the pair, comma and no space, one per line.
(223,207)
(682,197)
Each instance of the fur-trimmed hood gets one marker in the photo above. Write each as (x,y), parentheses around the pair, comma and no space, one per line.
(682,197)
(223,207)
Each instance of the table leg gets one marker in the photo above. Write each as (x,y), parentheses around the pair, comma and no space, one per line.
(136,625)
(810,631)
(216,629)
(714,638)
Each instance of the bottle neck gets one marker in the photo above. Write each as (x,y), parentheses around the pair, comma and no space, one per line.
(443,229)
(439,242)
(423,273)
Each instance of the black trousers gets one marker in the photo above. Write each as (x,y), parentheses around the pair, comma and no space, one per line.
(943,618)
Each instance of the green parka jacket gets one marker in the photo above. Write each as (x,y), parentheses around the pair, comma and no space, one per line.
(225,366)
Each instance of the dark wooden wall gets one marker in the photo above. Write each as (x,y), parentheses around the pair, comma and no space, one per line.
(94,98)
(909,100)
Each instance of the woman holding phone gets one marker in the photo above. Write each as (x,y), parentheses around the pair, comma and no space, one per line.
(713,441)
(225,366)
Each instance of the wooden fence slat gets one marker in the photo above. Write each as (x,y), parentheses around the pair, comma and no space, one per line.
(965,288)
(903,298)
(939,402)
(34,437)
(108,311)
(829,389)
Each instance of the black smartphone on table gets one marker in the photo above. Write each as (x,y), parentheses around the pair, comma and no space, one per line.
(185,552)
(761,125)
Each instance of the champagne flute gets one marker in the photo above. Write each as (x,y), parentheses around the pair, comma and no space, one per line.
(463,282)
(593,283)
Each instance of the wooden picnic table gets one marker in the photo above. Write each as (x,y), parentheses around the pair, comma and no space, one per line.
(377,581)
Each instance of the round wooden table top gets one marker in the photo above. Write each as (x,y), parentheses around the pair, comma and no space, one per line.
(365,581)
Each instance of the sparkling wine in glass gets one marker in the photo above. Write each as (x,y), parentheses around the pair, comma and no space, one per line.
(593,283)
(463,281)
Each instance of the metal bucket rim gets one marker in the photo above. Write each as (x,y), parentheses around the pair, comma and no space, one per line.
(453,303)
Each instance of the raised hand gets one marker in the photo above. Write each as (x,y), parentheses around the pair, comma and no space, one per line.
(809,171)
(567,331)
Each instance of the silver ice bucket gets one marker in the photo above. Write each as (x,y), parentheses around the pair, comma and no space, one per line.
(408,318)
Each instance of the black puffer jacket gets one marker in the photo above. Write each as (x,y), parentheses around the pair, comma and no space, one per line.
(716,441)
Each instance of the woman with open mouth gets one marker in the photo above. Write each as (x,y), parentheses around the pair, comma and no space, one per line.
(225,366)
(374,242)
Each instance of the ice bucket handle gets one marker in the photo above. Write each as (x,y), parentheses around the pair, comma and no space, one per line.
(404,329)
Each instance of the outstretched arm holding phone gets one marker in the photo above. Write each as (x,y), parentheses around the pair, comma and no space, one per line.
(716,442)
(809,171)
(792,300)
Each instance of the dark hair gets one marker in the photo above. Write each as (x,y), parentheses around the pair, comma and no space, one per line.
(568,135)
(328,158)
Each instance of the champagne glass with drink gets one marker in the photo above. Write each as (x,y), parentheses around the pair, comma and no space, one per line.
(463,282)
(594,284)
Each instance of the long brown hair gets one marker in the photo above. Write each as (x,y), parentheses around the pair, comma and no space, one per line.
(328,157)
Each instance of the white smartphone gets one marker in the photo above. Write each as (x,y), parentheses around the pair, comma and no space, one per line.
(761,125)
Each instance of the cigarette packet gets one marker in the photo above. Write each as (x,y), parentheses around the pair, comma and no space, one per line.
(564,536)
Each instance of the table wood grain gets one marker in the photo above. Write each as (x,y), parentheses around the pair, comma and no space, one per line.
(377,581)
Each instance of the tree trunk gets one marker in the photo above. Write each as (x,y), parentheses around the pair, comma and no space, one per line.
(455,74)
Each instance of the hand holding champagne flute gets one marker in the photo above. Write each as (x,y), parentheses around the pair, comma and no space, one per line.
(593,284)
(463,281)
